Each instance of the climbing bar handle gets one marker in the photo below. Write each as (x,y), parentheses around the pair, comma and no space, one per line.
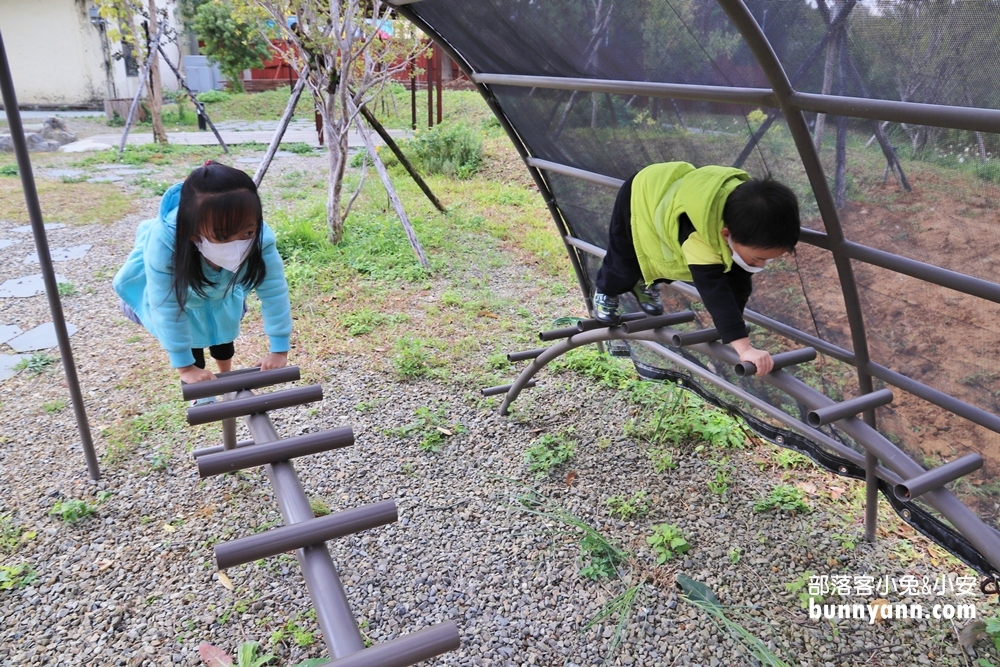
(504,388)
(213,412)
(839,411)
(684,339)
(279,450)
(237,380)
(205,451)
(647,323)
(935,478)
(303,534)
(783,360)
(556,334)
(591,324)
(527,354)
(406,650)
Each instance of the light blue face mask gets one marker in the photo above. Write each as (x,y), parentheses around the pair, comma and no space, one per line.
(743,265)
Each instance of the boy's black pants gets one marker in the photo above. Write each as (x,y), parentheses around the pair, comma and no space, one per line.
(620,271)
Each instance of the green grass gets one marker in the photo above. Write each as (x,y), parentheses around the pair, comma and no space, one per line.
(36,364)
(634,507)
(12,535)
(165,420)
(55,406)
(430,428)
(785,499)
(16,576)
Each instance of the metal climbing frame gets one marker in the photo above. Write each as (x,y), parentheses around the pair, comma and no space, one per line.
(783,96)
(906,476)
(302,532)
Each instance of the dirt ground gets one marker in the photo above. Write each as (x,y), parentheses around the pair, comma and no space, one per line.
(942,338)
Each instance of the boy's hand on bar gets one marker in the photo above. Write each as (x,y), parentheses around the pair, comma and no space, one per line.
(759,358)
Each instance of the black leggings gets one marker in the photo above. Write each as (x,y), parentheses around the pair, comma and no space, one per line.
(620,269)
(218,352)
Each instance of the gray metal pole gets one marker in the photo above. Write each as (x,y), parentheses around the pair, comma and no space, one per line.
(45,261)
(333,613)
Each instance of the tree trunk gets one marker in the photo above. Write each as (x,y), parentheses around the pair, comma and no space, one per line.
(155,85)
(335,138)
(831,59)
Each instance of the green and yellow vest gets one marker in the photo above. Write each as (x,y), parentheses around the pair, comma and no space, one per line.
(660,193)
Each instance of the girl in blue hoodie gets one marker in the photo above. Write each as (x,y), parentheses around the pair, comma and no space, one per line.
(187,278)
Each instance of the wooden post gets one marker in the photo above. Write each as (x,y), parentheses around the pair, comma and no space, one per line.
(430,88)
(280,131)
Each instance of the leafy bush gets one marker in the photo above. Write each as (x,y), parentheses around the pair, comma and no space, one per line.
(8,170)
(213,96)
(451,150)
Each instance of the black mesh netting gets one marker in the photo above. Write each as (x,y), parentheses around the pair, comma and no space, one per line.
(925,193)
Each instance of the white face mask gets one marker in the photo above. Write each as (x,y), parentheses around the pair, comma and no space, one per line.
(229,255)
(743,265)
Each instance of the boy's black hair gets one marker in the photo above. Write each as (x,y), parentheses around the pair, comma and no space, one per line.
(762,214)
(218,199)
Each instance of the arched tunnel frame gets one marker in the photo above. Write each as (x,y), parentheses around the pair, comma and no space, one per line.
(782,95)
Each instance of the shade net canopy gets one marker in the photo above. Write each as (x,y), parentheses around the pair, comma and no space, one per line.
(922,191)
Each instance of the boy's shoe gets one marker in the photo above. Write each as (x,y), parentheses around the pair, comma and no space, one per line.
(606,308)
(649,299)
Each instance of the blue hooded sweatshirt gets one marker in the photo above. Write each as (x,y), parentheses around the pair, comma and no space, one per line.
(145,283)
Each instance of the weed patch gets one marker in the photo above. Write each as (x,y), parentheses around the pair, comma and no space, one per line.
(72,510)
(12,535)
(667,541)
(548,452)
(783,498)
(16,576)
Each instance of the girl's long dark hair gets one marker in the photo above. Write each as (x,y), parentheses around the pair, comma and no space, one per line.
(218,199)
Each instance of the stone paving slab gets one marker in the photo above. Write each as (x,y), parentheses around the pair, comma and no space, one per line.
(235,137)
(8,331)
(42,337)
(7,364)
(4,243)
(105,179)
(49,226)
(27,286)
(63,173)
(62,254)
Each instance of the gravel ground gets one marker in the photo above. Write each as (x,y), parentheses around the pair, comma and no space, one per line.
(135,584)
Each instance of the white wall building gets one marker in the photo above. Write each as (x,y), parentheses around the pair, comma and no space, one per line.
(60,55)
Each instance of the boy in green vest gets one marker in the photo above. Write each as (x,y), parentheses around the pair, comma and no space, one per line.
(713,226)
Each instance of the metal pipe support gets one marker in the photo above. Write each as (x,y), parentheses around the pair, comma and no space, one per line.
(783,360)
(938,477)
(241,407)
(279,450)
(838,411)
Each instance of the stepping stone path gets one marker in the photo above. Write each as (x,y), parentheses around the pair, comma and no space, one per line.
(49,226)
(32,285)
(61,254)
(7,364)
(8,331)
(105,179)
(63,173)
(43,336)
